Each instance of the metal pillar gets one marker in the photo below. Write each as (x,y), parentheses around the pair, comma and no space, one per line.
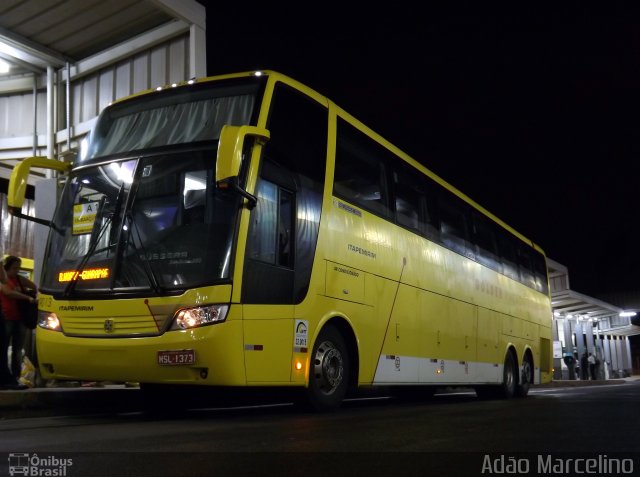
(568,336)
(50,117)
(587,326)
(35,116)
(625,349)
(614,357)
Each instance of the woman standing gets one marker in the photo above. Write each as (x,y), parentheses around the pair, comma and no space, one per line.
(5,375)
(15,331)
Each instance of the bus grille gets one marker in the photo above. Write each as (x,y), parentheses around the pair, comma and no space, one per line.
(107,327)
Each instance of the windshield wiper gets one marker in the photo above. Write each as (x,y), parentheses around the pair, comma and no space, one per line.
(92,248)
(95,239)
(148,270)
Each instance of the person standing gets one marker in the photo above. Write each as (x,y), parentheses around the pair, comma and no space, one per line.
(5,375)
(592,366)
(584,367)
(14,329)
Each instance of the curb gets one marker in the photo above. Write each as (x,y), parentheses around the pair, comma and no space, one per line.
(578,383)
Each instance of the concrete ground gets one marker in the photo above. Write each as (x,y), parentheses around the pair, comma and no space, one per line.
(109,396)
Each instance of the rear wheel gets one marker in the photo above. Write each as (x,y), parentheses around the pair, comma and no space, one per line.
(509,382)
(509,377)
(329,371)
(522,389)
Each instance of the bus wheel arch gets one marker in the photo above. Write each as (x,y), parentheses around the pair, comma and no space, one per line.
(346,330)
(333,365)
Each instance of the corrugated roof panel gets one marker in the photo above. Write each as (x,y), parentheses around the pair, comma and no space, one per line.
(80,28)
(110,32)
(49,20)
(17,14)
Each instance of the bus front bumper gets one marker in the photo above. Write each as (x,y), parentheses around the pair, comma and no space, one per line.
(219,358)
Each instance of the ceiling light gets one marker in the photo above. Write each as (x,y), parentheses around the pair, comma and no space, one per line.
(4,66)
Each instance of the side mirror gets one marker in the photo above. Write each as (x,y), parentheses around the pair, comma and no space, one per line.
(229,157)
(18,184)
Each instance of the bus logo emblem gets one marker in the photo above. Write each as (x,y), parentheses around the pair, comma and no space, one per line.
(108,325)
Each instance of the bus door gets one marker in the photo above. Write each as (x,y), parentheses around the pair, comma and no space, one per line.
(283,234)
(268,278)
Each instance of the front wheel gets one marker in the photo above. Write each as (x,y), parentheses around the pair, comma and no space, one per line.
(328,371)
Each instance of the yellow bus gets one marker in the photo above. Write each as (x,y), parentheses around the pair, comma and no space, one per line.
(245,231)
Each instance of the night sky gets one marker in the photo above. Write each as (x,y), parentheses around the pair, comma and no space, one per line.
(534,114)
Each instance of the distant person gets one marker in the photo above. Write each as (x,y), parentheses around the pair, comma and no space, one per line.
(584,366)
(5,375)
(592,366)
(15,330)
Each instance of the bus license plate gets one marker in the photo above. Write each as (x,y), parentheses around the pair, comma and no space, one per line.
(176,357)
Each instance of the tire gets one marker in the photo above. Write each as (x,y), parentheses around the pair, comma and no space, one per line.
(522,389)
(328,371)
(507,389)
(509,377)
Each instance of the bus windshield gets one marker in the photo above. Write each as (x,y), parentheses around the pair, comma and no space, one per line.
(154,223)
(140,213)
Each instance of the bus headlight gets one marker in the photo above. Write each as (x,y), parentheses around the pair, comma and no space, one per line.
(49,321)
(199,316)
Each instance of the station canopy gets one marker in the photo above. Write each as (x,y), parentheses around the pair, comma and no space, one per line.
(35,34)
(569,304)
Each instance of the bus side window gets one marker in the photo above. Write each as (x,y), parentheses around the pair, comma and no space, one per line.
(540,270)
(261,245)
(508,255)
(360,175)
(527,276)
(408,198)
(484,239)
(285,228)
(270,236)
(453,220)
(413,202)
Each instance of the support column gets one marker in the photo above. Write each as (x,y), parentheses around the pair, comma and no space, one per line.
(615,366)
(626,355)
(197,52)
(569,343)
(35,116)
(587,326)
(580,347)
(607,356)
(568,336)
(558,363)
(50,117)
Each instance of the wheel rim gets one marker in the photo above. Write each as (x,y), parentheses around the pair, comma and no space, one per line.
(510,378)
(328,367)
(526,373)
